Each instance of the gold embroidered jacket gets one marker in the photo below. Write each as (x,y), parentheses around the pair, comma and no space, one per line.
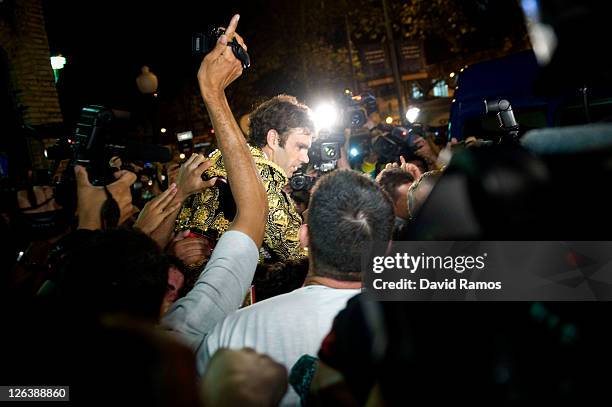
(211,211)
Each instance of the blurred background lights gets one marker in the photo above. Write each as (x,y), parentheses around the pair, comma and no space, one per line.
(412,114)
(58,62)
(325,116)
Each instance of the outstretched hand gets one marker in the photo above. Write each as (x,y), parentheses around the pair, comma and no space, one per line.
(189,179)
(410,168)
(404,166)
(157,210)
(426,149)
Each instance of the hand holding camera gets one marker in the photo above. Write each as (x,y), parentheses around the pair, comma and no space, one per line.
(91,199)
(202,44)
(221,67)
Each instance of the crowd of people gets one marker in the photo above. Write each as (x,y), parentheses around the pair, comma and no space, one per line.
(223,290)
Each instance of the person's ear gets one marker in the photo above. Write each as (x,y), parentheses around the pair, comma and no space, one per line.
(304,241)
(273,138)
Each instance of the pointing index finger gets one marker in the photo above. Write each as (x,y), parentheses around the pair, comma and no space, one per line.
(231,28)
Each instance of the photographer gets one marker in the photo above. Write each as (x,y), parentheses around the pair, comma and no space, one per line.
(362,113)
(370,145)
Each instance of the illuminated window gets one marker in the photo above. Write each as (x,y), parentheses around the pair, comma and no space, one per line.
(440,89)
(416,92)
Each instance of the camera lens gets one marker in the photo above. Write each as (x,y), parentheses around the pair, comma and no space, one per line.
(298,182)
(357,118)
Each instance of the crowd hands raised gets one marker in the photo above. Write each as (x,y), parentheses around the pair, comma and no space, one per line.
(123,270)
(156,213)
(115,275)
(122,288)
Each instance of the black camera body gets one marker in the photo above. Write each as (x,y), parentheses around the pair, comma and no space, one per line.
(97,138)
(387,142)
(354,116)
(88,145)
(203,43)
(396,142)
(302,182)
(324,152)
(356,109)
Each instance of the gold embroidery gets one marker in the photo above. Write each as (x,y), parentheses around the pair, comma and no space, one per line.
(220,223)
(201,212)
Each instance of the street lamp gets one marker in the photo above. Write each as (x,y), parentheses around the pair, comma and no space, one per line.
(57,63)
(147,85)
(146,81)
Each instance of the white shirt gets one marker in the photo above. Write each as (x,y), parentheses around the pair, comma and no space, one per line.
(284,327)
(220,289)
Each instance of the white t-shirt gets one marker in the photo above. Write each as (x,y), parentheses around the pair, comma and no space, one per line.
(284,327)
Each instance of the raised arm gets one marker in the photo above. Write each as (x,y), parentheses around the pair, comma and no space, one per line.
(218,69)
(221,286)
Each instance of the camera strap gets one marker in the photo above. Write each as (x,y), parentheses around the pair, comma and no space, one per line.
(32,200)
(109,214)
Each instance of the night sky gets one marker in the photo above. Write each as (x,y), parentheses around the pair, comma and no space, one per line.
(107,42)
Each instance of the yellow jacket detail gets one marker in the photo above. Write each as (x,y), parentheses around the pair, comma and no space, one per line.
(211,211)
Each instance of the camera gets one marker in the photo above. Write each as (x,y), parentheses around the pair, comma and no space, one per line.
(325,150)
(323,155)
(505,116)
(98,137)
(357,108)
(396,142)
(301,182)
(387,142)
(203,43)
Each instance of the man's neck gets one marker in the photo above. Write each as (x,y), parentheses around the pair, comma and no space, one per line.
(268,153)
(331,283)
